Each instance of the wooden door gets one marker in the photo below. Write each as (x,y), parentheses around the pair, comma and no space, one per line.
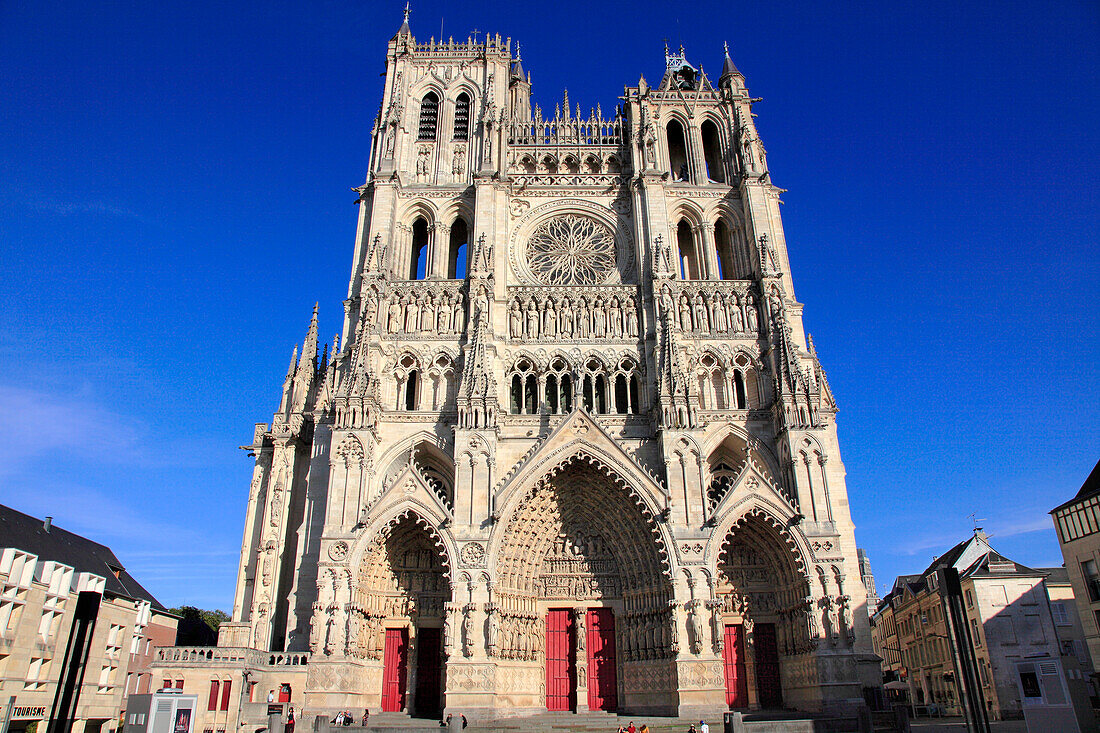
(733,658)
(428,678)
(395,670)
(602,680)
(560,670)
(768,686)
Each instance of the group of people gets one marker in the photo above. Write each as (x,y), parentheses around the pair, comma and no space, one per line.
(703,728)
(344,717)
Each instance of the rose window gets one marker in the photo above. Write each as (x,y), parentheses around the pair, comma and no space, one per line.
(571,250)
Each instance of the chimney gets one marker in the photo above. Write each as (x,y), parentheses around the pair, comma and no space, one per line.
(47,524)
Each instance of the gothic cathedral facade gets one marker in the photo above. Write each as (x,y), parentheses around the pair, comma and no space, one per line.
(573,449)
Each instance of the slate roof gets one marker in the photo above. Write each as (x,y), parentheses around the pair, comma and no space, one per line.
(1057,575)
(1091,487)
(27,533)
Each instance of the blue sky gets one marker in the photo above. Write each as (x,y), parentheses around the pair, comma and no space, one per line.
(174,196)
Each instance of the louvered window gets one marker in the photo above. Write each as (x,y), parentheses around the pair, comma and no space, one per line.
(429,117)
(462,117)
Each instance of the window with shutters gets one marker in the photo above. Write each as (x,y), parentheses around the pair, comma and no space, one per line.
(462,117)
(429,117)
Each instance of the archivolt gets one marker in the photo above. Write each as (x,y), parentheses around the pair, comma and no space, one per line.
(374,538)
(523,536)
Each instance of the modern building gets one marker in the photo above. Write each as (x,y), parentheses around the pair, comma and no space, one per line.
(1009,615)
(42,570)
(572,449)
(1077,523)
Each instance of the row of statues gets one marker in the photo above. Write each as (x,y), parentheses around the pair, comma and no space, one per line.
(410,312)
(716,313)
(583,317)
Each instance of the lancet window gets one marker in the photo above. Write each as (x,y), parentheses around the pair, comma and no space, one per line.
(456,260)
(420,259)
(688,252)
(677,152)
(429,117)
(733,388)
(712,152)
(408,383)
(462,117)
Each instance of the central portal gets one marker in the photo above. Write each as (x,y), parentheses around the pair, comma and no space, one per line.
(580,558)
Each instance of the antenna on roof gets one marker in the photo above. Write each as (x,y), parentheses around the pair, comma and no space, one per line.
(974,519)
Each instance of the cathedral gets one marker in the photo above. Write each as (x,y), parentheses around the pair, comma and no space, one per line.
(573,449)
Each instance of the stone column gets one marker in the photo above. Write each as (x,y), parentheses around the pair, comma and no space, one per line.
(581,659)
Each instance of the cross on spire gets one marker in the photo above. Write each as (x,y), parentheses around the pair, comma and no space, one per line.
(517,51)
(406,11)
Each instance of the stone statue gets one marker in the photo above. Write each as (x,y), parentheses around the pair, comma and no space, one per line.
(532,320)
(578,626)
(468,641)
(394,316)
(412,316)
(721,320)
(515,322)
(458,163)
(696,629)
(422,164)
(701,321)
(738,319)
(750,315)
(631,320)
(685,314)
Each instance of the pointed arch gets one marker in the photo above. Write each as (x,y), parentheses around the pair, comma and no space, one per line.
(428,127)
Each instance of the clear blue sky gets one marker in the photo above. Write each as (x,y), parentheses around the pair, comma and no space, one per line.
(174,196)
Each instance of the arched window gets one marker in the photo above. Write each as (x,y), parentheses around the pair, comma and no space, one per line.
(418,263)
(462,117)
(689,262)
(456,263)
(601,394)
(411,388)
(726,268)
(530,395)
(587,394)
(739,388)
(517,395)
(677,152)
(429,117)
(566,394)
(552,394)
(622,405)
(712,152)
(634,407)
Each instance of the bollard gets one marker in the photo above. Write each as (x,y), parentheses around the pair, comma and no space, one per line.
(733,722)
(454,725)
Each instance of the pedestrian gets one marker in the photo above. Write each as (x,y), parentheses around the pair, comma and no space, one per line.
(691,728)
(289,727)
(703,727)
(630,728)
(366,716)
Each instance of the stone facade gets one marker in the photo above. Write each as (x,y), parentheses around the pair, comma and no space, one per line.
(573,441)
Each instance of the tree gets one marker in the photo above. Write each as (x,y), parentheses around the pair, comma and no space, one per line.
(198,627)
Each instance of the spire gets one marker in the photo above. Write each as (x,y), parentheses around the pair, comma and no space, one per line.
(728,69)
(517,67)
(293,363)
(404,30)
(309,348)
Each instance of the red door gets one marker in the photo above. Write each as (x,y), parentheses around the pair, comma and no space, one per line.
(733,656)
(767,667)
(428,683)
(560,670)
(602,688)
(395,670)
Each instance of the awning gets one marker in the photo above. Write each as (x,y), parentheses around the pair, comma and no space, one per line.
(896,685)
